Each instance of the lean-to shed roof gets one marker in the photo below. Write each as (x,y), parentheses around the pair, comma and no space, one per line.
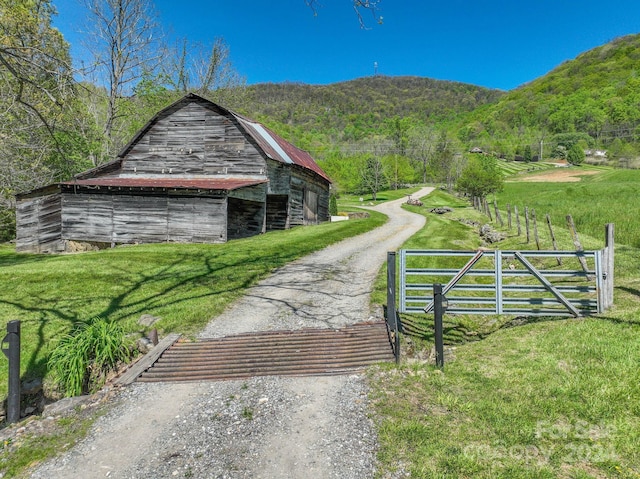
(223,184)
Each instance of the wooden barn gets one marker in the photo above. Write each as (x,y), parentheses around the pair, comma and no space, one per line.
(196,172)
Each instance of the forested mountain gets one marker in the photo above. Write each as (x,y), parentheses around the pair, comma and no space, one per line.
(595,97)
(355,109)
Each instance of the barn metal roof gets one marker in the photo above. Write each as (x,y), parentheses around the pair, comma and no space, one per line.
(225,184)
(279,149)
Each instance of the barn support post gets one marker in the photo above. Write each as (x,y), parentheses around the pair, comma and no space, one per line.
(438,312)
(392,315)
(12,352)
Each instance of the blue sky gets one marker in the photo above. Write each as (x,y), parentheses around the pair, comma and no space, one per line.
(493,43)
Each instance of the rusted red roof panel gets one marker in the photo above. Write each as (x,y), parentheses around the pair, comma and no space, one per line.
(226,184)
(279,149)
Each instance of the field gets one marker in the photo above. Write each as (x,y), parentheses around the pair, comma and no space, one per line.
(609,196)
(510,168)
(537,398)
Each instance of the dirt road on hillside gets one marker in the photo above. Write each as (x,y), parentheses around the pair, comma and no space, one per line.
(268,427)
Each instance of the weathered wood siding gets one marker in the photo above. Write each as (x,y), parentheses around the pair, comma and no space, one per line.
(197,220)
(250,193)
(279,176)
(126,218)
(301,181)
(277,212)
(192,139)
(38,224)
(245,218)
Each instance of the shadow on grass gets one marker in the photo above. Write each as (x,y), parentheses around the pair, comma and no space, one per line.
(632,291)
(170,284)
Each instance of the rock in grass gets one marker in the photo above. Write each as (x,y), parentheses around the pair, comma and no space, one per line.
(441,210)
(148,320)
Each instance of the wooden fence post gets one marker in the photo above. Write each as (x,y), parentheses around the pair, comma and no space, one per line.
(495,208)
(515,211)
(535,228)
(553,239)
(576,242)
(487,209)
(526,222)
(509,216)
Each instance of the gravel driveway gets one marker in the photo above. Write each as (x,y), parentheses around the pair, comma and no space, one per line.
(266,427)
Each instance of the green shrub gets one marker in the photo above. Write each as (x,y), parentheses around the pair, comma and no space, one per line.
(333,205)
(82,359)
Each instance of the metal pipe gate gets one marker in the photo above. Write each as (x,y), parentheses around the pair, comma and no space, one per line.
(528,283)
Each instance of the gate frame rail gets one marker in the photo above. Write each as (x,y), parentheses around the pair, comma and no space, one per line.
(498,303)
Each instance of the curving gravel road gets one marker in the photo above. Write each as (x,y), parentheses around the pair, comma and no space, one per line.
(267,427)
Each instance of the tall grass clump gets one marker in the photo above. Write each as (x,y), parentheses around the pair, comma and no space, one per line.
(83,358)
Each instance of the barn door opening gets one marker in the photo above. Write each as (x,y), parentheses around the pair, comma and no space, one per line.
(310,207)
(277,212)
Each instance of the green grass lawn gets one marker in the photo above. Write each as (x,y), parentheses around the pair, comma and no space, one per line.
(184,284)
(556,398)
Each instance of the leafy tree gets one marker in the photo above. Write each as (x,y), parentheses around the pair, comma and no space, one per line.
(569,139)
(575,155)
(560,152)
(399,170)
(344,170)
(398,131)
(373,176)
(480,177)
(36,94)
(527,153)
(422,146)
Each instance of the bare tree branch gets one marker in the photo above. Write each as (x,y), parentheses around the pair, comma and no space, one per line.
(372,6)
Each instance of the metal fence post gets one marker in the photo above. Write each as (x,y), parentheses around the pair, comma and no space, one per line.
(392,315)
(13,353)
(438,312)
(609,260)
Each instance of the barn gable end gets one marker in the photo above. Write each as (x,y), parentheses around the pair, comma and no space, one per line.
(193,137)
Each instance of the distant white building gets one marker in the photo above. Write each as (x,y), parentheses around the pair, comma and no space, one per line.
(596,153)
